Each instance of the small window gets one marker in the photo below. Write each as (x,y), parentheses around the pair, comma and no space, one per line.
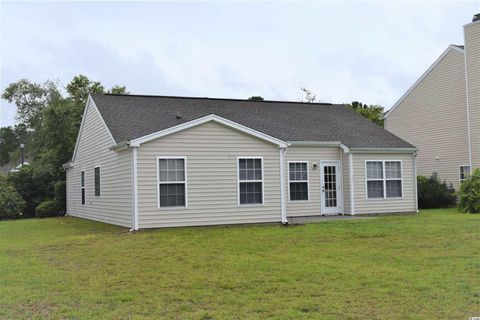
(298,180)
(82,185)
(250,180)
(384,179)
(464,173)
(97,181)
(375,179)
(171,182)
(393,176)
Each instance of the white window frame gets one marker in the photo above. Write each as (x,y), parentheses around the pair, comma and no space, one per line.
(100,180)
(239,181)
(83,191)
(460,172)
(307,181)
(384,179)
(185,182)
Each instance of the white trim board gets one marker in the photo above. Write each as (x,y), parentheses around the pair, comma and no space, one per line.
(424,75)
(212,117)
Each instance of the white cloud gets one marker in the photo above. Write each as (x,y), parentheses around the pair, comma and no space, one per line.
(369,51)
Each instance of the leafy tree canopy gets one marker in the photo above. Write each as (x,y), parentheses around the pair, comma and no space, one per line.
(31,99)
(373,112)
(48,126)
(256,98)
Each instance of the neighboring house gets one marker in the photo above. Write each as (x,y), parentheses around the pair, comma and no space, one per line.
(20,166)
(155,161)
(440,113)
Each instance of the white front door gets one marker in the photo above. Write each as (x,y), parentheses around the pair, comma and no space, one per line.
(330,183)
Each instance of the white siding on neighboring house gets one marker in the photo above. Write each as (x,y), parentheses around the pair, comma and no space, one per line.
(433,118)
(114,205)
(472,61)
(366,206)
(312,154)
(211,151)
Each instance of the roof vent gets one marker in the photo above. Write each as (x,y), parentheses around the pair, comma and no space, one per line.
(178,115)
(476,17)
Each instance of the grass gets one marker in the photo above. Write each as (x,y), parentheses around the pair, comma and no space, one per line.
(425,266)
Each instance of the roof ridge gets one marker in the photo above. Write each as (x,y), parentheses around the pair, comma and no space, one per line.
(208,98)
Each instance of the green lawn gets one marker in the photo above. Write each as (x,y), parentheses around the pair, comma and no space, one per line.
(425,266)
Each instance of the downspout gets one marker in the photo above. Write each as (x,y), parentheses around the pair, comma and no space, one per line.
(134,189)
(283,203)
(350,173)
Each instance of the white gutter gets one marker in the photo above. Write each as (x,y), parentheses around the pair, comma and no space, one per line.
(134,190)
(383,150)
(350,173)
(123,145)
(283,202)
(315,143)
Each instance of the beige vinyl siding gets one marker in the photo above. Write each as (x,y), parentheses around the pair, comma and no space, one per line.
(472,59)
(114,205)
(211,152)
(312,155)
(367,206)
(433,118)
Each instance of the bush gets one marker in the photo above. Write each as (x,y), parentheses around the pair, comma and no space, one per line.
(48,208)
(61,195)
(432,193)
(11,203)
(470,194)
(34,187)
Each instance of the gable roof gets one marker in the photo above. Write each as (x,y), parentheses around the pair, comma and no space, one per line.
(130,117)
(455,47)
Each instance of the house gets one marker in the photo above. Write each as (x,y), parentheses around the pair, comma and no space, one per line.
(157,161)
(440,113)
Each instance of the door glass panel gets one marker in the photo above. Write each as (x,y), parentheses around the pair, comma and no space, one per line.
(330,182)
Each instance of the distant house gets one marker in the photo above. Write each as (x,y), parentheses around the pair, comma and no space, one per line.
(156,161)
(18,167)
(440,113)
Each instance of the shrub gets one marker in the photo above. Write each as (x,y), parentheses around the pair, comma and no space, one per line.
(48,208)
(470,193)
(34,187)
(61,195)
(432,193)
(11,203)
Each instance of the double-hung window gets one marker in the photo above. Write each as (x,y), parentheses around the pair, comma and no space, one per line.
(97,181)
(384,179)
(82,186)
(250,180)
(172,182)
(298,180)
(464,173)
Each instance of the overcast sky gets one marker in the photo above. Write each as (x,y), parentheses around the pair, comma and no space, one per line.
(367,51)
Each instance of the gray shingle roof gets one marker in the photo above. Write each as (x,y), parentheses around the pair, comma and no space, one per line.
(133,116)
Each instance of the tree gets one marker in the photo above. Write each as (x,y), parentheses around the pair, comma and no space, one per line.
(373,112)
(8,144)
(116,89)
(31,99)
(49,124)
(80,86)
(307,95)
(256,98)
